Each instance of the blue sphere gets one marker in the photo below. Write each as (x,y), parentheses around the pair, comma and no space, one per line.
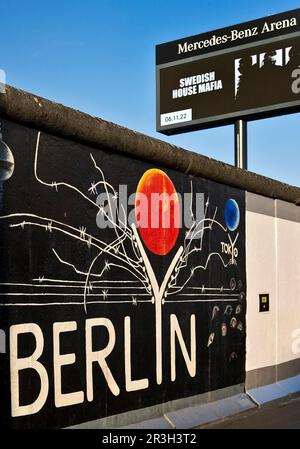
(232,215)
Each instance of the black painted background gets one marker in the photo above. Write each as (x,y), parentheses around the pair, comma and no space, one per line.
(27,254)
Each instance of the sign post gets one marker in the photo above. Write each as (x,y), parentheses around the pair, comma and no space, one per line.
(228,76)
(241,144)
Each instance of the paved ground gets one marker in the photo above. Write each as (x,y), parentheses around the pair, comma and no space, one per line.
(280,414)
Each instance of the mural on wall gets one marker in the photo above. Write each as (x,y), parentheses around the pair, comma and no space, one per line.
(97,320)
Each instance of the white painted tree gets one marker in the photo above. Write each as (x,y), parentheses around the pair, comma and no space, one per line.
(126,250)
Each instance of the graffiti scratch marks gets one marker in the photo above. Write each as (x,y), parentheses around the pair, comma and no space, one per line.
(125,252)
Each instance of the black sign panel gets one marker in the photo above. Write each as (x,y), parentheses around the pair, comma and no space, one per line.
(100,320)
(248,71)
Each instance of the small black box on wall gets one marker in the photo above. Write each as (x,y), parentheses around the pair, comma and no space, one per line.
(264,302)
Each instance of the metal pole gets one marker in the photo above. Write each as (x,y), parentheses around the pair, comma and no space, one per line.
(240,143)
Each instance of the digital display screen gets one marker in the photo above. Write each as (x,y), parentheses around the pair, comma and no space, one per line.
(247,80)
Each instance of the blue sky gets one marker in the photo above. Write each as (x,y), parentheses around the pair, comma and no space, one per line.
(99,56)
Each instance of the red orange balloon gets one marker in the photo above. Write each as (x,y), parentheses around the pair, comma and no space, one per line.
(157,211)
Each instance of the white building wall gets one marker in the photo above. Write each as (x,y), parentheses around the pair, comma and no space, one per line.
(273,266)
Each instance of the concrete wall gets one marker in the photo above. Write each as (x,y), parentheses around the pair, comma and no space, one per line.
(104,315)
(273,266)
(51,159)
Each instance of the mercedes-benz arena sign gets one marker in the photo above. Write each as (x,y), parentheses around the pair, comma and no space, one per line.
(248,71)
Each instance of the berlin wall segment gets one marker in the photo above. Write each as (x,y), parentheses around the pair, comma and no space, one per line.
(95,321)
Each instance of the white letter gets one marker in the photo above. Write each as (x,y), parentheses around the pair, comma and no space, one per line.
(296,342)
(182,48)
(139,215)
(2,342)
(189,361)
(31,362)
(265,28)
(161,209)
(59,360)
(293,22)
(296,83)
(99,356)
(131,385)
(107,214)
(234,35)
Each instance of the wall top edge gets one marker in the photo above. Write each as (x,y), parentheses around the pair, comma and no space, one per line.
(45,115)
